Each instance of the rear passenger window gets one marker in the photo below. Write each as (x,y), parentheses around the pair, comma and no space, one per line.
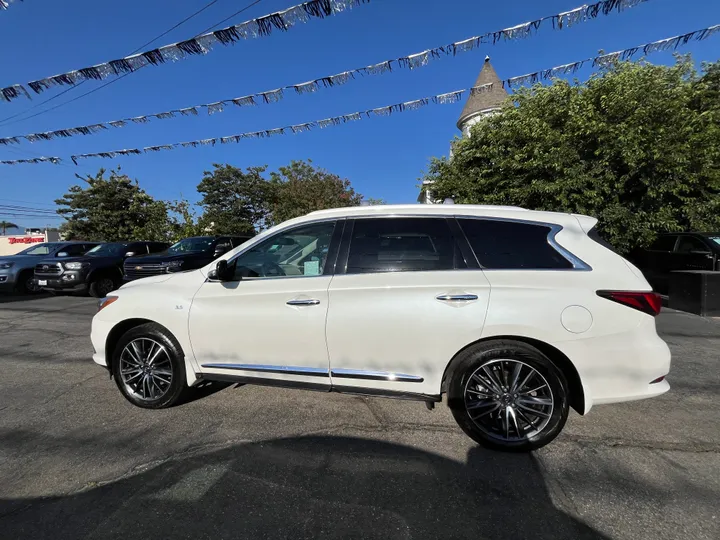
(511,245)
(402,245)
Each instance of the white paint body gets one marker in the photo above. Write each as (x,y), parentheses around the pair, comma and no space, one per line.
(392,322)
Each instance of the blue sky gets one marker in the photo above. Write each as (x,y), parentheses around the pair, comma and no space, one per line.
(382,157)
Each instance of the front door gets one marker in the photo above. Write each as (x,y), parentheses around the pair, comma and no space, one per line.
(270,322)
(402,306)
(692,254)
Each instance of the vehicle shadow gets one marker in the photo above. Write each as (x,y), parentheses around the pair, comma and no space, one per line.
(8,297)
(309,487)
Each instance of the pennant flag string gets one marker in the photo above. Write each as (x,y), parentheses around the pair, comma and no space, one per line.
(5,4)
(283,20)
(203,44)
(272,96)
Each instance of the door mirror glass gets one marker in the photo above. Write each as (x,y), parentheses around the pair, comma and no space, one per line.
(62,254)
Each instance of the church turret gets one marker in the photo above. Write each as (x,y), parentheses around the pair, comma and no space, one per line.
(477,107)
(483,103)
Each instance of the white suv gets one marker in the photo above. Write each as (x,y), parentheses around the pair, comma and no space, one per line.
(515,315)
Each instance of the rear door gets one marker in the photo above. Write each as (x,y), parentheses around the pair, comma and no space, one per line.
(406,297)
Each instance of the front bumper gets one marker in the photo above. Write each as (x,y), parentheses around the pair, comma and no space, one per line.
(58,284)
(7,282)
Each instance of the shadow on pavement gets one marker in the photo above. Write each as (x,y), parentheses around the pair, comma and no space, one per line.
(309,487)
(6,298)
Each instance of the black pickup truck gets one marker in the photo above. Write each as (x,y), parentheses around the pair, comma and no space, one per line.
(98,271)
(187,254)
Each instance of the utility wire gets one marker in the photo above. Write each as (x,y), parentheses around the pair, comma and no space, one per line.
(186,19)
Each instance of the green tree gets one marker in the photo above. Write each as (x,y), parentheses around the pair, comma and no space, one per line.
(637,146)
(300,188)
(112,209)
(234,201)
(5,225)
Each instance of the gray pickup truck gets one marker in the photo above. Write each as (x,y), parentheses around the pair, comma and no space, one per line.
(17,271)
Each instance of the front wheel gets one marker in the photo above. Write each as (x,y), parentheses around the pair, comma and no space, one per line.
(149,368)
(26,284)
(507,395)
(102,286)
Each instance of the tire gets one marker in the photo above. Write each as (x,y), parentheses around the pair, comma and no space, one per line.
(101,286)
(163,387)
(25,284)
(491,412)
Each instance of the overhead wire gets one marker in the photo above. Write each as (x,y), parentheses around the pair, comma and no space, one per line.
(4,121)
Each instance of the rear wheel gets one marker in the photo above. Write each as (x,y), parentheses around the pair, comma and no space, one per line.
(101,286)
(507,395)
(149,368)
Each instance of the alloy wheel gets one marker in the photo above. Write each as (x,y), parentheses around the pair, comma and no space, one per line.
(146,369)
(509,400)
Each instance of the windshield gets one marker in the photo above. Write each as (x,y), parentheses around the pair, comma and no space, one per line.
(40,249)
(201,243)
(715,239)
(106,250)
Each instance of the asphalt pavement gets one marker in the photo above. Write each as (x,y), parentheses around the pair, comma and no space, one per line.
(77,461)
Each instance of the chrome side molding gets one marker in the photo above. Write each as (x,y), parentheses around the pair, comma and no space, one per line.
(340,373)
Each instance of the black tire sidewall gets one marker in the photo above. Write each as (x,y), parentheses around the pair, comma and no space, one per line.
(476,356)
(93,287)
(178,386)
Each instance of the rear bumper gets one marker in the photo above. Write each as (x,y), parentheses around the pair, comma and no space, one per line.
(620,367)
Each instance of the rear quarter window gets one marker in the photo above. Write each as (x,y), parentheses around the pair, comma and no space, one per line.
(512,245)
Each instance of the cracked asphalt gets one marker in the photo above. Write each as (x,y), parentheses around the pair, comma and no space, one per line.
(77,461)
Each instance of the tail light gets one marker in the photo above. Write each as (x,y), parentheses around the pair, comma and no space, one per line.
(647,302)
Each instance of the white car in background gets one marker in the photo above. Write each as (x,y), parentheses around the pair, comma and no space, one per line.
(514,315)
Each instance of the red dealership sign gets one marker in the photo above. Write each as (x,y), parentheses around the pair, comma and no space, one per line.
(26,239)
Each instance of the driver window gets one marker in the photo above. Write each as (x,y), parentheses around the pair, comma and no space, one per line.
(299,252)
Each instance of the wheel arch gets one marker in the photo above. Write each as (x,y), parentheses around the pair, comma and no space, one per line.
(123,326)
(110,271)
(557,357)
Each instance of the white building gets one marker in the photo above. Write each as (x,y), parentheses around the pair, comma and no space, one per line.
(477,107)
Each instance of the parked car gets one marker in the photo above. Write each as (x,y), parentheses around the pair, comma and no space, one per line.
(98,272)
(677,251)
(514,315)
(16,271)
(187,254)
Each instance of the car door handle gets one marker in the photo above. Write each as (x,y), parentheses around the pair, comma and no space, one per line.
(310,302)
(457,297)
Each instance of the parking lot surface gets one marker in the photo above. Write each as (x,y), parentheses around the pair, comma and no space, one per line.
(78,461)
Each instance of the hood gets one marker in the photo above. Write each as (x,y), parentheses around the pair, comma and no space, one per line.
(20,261)
(147,281)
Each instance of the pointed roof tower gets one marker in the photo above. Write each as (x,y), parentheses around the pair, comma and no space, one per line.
(487,101)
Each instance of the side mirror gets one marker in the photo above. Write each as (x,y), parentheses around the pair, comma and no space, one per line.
(222,272)
(130,254)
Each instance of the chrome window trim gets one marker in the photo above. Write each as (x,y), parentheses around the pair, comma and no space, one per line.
(577,263)
(265,368)
(343,373)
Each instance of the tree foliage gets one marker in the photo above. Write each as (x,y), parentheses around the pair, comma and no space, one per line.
(111,209)
(5,225)
(234,201)
(300,188)
(237,201)
(637,146)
